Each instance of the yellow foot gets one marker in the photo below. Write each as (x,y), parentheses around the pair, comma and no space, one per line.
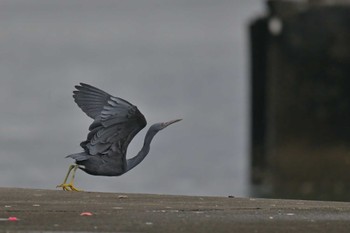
(68,187)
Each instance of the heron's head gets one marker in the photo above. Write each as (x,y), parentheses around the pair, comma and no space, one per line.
(162,125)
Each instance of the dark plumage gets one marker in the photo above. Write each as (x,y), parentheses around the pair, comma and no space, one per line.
(116,122)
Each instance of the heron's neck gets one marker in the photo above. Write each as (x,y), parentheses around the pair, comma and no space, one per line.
(131,163)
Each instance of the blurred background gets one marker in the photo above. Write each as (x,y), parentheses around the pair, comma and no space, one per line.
(173,59)
(300,71)
(262,87)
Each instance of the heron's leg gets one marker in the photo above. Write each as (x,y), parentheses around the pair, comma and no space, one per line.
(63,185)
(69,170)
(71,185)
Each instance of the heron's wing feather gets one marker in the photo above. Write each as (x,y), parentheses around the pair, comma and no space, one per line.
(116,121)
(90,99)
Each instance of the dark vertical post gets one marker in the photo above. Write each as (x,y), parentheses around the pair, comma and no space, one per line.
(258,41)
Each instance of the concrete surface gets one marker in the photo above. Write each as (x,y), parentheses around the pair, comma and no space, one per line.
(59,211)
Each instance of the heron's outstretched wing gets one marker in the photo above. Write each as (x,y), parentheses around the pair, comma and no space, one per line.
(116,121)
(90,99)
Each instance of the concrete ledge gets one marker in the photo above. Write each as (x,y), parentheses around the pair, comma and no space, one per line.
(51,210)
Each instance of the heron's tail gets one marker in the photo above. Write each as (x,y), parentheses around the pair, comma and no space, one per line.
(79,156)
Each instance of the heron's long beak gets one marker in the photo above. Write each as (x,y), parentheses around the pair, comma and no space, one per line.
(171,122)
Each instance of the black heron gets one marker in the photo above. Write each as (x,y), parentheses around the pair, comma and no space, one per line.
(116,122)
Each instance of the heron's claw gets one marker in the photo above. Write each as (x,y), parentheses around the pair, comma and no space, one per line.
(68,187)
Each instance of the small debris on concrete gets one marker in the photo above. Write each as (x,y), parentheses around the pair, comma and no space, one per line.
(12,218)
(149,223)
(8,206)
(36,205)
(122,196)
(117,208)
(230,196)
(86,214)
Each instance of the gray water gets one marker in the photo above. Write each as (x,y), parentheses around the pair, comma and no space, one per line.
(173,59)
